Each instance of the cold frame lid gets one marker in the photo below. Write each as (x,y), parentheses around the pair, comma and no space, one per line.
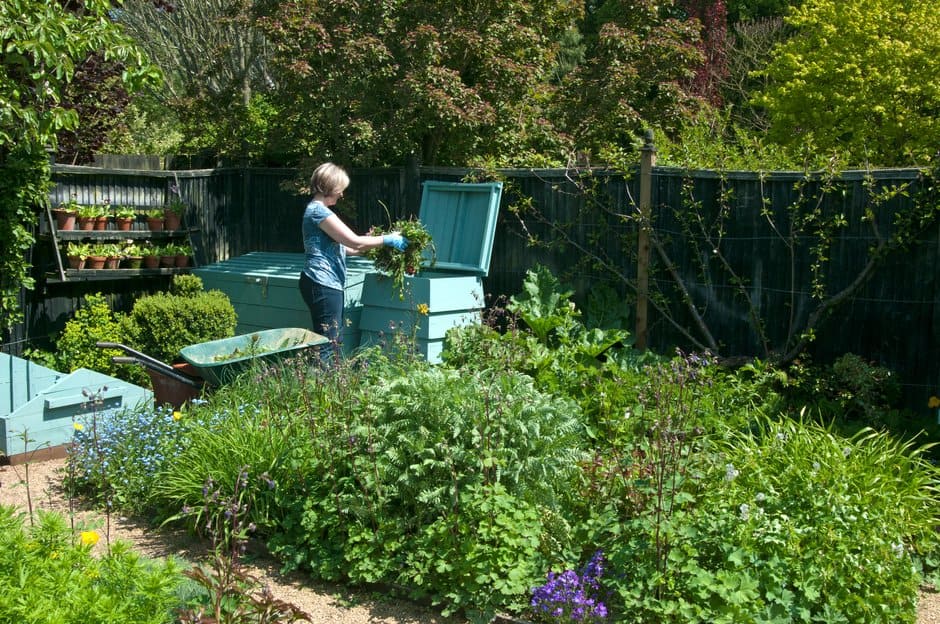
(461,219)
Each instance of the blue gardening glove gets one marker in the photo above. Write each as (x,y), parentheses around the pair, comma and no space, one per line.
(395,240)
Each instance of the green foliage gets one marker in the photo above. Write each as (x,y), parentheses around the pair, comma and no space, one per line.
(712,141)
(42,44)
(639,56)
(24,183)
(94,322)
(187,285)
(164,323)
(46,575)
(466,82)
(543,306)
(223,440)
(483,556)
(419,254)
(850,81)
(742,10)
(467,484)
(233,595)
(116,456)
(789,522)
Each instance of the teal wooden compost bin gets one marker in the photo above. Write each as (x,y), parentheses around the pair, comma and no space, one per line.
(262,287)
(461,219)
(44,404)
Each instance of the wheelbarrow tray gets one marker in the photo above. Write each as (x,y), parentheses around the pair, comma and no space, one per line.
(220,361)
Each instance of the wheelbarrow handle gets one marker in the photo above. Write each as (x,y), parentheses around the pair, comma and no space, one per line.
(146,360)
(166,372)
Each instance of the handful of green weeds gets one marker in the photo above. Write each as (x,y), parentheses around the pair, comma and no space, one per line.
(398,264)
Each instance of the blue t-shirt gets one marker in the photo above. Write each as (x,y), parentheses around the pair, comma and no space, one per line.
(324,258)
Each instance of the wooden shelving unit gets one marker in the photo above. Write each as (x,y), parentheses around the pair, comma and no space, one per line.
(61,273)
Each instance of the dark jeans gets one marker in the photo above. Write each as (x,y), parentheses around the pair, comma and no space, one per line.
(326,313)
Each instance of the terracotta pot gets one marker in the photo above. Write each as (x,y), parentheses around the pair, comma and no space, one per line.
(76,262)
(172,220)
(101,223)
(95,262)
(124,223)
(182,260)
(64,220)
(112,262)
(155,224)
(86,223)
(133,262)
(151,262)
(168,261)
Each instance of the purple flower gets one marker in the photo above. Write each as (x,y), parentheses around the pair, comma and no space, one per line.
(570,597)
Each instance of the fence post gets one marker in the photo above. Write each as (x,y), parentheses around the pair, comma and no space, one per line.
(647,162)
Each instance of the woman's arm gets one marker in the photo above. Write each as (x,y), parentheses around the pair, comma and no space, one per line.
(354,243)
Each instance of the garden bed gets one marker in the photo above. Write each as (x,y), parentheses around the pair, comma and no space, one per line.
(323,602)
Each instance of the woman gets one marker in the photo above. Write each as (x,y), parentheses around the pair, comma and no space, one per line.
(327,241)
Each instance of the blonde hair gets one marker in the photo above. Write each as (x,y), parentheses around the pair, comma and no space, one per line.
(328,179)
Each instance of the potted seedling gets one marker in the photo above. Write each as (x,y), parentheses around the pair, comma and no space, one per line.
(183,255)
(77,253)
(132,256)
(124,217)
(102,215)
(87,213)
(168,256)
(65,214)
(155,220)
(151,254)
(97,256)
(173,212)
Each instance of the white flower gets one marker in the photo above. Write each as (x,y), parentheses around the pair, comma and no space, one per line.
(898,549)
(731,472)
(744,511)
(760,497)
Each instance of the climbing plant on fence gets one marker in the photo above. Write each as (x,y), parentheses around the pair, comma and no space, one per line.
(772,255)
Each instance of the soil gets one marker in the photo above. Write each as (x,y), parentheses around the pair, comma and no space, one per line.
(322,602)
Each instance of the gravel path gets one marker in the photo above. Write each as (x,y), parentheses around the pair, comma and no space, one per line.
(323,603)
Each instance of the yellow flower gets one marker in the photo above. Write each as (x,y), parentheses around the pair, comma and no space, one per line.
(89,538)
(423,309)
(934,402)
(177,415)
(78,426)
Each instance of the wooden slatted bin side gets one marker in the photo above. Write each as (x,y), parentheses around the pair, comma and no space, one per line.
(263,289)
(461,219)
(40,406)
(431,303)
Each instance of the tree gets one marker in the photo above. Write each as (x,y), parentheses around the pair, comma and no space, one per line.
(859,78)
(98,97)
(713,16)
(750,49)
(215,64)
(632,77)
(746,10)
(42,43)
(375,83)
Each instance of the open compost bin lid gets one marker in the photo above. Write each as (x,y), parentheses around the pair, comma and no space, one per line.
(461,219)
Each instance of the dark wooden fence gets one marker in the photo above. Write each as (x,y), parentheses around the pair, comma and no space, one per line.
(892,321)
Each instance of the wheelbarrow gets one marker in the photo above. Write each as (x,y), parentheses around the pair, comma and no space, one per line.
(216,362)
